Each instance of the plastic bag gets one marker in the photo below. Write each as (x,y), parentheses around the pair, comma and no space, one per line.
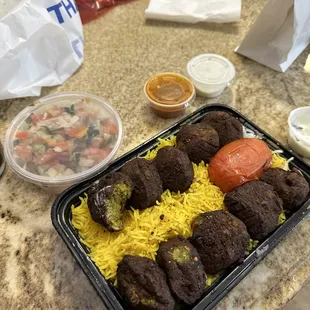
(279,35)
(6,6)
(98,4)
(92,9)
(41,44)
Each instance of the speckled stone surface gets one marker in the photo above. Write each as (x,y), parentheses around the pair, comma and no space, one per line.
(121,51)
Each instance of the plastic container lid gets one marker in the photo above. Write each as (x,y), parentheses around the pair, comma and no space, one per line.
(210,74)
(211,69)
(169,93)
(63,139)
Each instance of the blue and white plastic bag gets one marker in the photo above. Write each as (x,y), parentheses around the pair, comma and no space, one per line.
(41,44)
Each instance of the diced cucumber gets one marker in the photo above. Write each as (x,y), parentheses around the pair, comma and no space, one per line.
(39,148)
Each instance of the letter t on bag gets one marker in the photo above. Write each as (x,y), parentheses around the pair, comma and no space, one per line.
(279,35)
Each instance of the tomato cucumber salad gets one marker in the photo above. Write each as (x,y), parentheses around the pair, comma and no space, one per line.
(62,141)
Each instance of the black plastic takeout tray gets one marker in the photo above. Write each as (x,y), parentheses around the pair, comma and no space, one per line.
(61,218)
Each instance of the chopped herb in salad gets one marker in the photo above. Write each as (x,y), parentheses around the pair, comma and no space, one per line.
(62,141)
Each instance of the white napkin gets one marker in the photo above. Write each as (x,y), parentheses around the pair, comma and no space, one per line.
(194,11)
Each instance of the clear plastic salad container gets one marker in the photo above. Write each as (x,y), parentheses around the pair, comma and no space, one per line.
(63,139)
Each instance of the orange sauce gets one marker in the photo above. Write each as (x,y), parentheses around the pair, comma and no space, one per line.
(169,89)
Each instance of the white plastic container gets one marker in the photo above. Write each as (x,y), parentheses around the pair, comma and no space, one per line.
(299,131)
(28,124)
(211,74)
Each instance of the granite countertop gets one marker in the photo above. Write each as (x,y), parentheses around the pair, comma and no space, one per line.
(121,51)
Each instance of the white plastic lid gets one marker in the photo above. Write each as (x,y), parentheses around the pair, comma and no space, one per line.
(211,69)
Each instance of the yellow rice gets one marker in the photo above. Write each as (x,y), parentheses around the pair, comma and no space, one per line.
(144,230)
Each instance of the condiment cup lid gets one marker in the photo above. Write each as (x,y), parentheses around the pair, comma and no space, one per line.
(169,91)
(211,69)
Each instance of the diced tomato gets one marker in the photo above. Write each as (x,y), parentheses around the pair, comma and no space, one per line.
(110,128)
(71,132)
(35,118)
(79,132)
(93,113)
(82,114)
(91,151)
(63,145)
(83,103)
(24,152)
(105,152)
(102,155)
(96,143)
(63,157)
(46,157)
(22,135)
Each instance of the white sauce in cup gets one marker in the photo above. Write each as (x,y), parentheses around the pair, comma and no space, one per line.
(299,131)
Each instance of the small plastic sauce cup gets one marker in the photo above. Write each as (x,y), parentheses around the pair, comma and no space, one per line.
(169,94)
(299,131)
(211,74)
